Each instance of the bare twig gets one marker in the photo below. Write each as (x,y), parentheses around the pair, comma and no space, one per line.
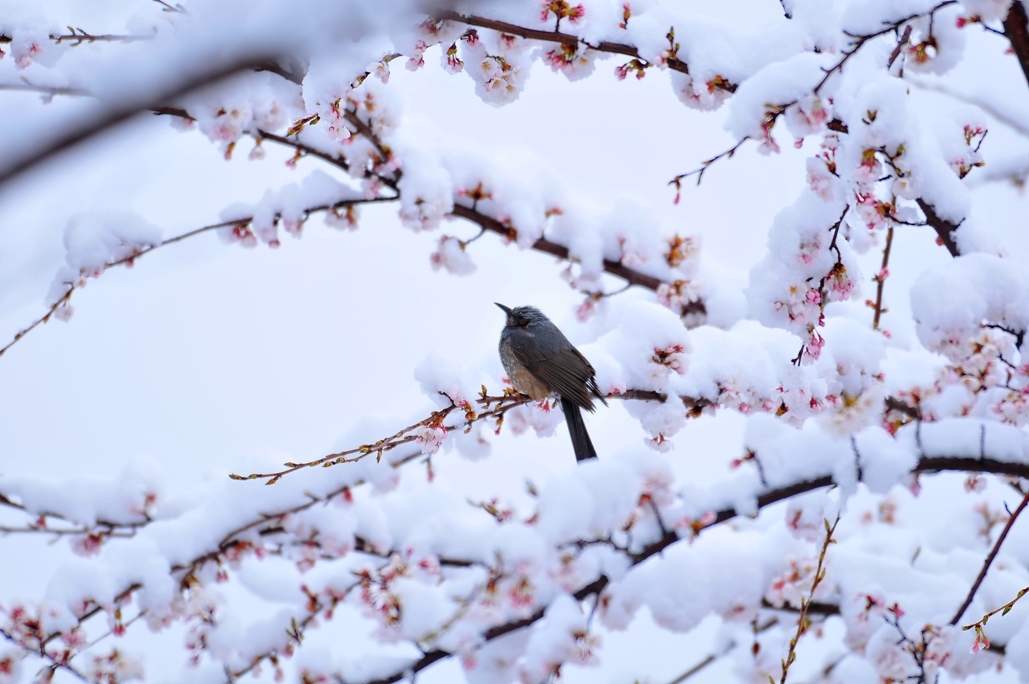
(699,171)
(504,403)
(494,409)
(805,602)
(39,321)
(900,46)
(989,560)
(715,656)
(47,91)
(696,668)
(880,279)
(984,105)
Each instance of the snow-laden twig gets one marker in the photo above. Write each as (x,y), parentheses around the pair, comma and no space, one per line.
(568,40)
(130,260)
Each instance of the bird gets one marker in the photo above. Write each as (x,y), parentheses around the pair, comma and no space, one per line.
(542,363)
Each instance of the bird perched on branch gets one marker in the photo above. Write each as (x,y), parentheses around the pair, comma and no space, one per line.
(542,363)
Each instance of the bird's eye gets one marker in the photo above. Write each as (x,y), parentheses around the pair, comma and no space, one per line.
(521,322)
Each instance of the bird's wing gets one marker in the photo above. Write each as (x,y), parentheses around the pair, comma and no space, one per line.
(592,382)
(566,372)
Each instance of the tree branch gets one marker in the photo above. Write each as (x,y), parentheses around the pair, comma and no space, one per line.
(925,464)
(55,662)
(880,279)
(989,561)
(72,134)
(631,276)
(674,63)
(1016,28)
(944,229)
(269,524)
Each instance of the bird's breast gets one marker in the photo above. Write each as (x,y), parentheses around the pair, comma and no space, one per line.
(520,377)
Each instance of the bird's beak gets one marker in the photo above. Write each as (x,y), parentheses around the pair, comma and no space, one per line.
(504,308)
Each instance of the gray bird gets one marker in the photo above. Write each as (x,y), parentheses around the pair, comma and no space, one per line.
(542,363)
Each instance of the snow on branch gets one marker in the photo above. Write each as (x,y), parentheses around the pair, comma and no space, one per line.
(850,427)
(308,532)
(129,249)
(379,170)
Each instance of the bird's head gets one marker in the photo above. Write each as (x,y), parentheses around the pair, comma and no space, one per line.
(521,316)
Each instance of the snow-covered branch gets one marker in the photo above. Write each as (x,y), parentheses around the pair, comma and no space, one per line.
(905,420)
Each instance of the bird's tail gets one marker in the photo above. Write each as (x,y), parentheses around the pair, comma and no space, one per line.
(577,429)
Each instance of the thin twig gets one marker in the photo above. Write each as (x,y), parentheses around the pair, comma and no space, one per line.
(48,91)
(77,36)
(900,46)
(406,435)
(980,635)
(880,279)
(131,259)
(989,560)
(699,171)
(1003,117)
(805,602)
(55,662)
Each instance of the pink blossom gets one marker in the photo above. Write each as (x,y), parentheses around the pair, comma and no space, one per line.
(64,312)
(562,10)
(975,483)
(520,593)
(25,53)
(981,642)
(585,311)
(74,638)
(768,144)
(452,63)
(87,544)
(813,348)
(431,438)
(417,58)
